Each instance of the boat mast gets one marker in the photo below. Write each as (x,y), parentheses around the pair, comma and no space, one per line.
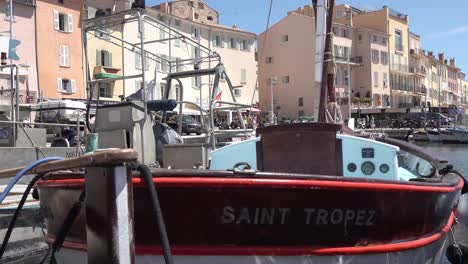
(323,58)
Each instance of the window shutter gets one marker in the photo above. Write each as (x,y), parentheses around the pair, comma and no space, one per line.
(73,86)
(56,20)
(110,59)
(223,41)
(137,61)
(98,58)
(61,55)
(59,85)
(213,39)
(67,56)
(70,23)
(229,43)
(249,46)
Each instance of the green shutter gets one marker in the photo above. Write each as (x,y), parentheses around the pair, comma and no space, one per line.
(98,58)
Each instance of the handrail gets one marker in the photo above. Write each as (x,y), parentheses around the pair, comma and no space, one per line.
(39,124)
(100,158)
(417,151)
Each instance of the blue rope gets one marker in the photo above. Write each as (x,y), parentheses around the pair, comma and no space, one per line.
(22,173)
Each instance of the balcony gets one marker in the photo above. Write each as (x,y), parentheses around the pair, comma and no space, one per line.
(353,60)
(417,53)
(420,90)
(399,68)
(26,2)
(105,72)
(421,71)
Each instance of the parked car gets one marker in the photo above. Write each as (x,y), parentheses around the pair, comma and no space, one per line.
(190,125)
(428,118)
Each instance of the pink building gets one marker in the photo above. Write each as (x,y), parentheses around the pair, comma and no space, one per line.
(23,30)
(361,58)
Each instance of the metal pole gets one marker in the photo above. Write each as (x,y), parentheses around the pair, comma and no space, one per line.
(349,87)
(272,113)
(440,112)
(17,105)
(13,117)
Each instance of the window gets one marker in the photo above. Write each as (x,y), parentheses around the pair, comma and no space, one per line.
(177,23)
(190,3)
(339,13)
(64,56)
(138,64)
(66,85)
(162,89)
(375,56)
(195,15)
(177,42)
(195,32)
(243,76)
(359,37)
(385,81)
(60,2)
(63,22)
(232,43)
(243,45)
(269,60)
(209,18)
(196,81)
(285,38)
(201,6)
(162,33)
(285,79)
(164,63)
(346,76)
(237,92)
(217,41)
(384,40)
(103,58)
(384,57)
(345,33)
(398,40)
(179,66)
(301,101)
(376,79)
(195,52)
(101,32)
(105,90)
(374,38)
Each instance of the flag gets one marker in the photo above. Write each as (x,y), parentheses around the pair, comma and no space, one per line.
(218,97)
(12,49)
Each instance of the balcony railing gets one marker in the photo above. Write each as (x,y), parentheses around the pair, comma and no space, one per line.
(399,47)
(357,59)
(26,2)
(418,52)
(399,67)
(418,70)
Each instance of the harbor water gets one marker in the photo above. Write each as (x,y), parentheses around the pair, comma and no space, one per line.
(457,154)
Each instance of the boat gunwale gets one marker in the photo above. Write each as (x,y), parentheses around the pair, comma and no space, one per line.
(223,179)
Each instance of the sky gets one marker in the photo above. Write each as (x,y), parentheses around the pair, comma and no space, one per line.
(443,25)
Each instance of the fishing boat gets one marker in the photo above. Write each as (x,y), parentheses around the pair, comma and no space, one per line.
(295,193)
(460,134)
(433,135)
(447,136)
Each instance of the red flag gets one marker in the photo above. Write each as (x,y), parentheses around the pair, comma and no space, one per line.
(218,97)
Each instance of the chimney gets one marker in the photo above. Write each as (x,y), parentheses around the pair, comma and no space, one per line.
(430,54)
(441,57)
(234,26)
(445,61)
(452,62)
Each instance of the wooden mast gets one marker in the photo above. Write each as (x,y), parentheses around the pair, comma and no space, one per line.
(327,58)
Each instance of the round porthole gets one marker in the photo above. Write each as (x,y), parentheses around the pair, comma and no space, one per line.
(384,168)
(367,168)
(352,167)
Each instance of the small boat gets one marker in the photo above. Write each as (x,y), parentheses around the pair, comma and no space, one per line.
(447,136)
(460,134)
(433,135)
(420,135)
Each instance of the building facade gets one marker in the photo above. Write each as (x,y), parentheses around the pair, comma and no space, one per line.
(170,52)
(24,13)
(59,49)
(360,55)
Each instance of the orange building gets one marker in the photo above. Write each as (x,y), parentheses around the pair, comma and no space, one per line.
(59,49)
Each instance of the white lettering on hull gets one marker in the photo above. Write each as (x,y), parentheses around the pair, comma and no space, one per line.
(312,216)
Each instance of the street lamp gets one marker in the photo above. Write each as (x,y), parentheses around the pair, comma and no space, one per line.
(272,113)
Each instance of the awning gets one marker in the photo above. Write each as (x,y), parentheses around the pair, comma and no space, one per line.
(100,76)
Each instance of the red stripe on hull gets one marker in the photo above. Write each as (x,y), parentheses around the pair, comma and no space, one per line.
(266,183)
(280,251)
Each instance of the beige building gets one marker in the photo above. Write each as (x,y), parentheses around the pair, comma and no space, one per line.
(361,58)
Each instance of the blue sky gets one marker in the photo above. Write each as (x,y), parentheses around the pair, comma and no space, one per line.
(443,25)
